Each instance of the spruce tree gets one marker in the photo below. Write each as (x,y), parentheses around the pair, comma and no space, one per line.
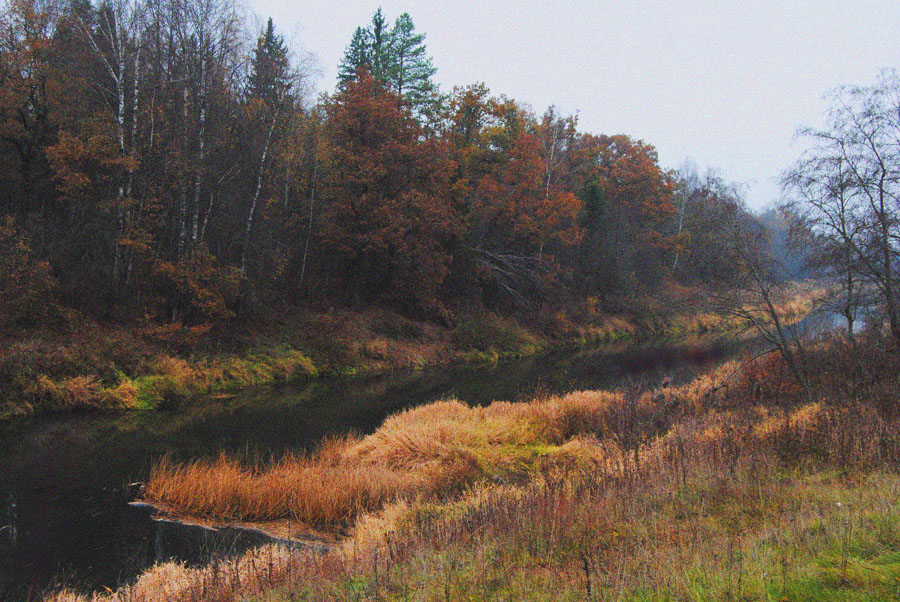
(356,56)
(270,66)
(397,59)
(382,63)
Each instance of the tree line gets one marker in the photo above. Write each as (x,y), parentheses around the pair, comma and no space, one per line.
(164,162)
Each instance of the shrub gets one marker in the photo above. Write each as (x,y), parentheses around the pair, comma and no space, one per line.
(488,332)
(26,284)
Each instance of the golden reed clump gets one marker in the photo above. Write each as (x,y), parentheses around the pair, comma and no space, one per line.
(631,481)
(424,451)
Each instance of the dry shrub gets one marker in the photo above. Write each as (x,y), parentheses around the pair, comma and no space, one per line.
(293,364)
(69,394)
(81,392)
(77,392)
(173,367)
(767,380)
(122,396)
(486,332)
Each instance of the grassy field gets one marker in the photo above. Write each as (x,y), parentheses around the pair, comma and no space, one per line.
(733,487)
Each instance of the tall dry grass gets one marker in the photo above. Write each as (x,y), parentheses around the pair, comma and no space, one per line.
(429,451)
(317,489)
(716,490)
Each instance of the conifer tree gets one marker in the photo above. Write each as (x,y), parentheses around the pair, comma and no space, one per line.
(412,67)
(370,48)
(396,58)
(269,76)
(381,43)
(356,56)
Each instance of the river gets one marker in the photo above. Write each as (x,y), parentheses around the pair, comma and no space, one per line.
(64,479)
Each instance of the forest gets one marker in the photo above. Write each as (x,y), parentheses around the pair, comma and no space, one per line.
(172,192)
(185,220)
(161,169)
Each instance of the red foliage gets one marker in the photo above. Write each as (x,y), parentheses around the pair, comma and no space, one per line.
(513,209)
(389,219)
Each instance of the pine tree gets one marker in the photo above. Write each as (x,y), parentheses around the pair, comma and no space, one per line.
(412,68)
(270,66)
(381,43)
(370,48)
(397,59)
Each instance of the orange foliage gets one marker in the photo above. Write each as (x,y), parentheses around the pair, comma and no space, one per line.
(198,288)
(511,206)
(87,164)
(389,219)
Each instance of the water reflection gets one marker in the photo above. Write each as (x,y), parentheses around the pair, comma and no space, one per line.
(65,479)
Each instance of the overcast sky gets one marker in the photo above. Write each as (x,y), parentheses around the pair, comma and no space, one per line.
(725,84)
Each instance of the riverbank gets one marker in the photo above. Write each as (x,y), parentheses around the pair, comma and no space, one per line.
(750,489)
(64,472)
(84,365)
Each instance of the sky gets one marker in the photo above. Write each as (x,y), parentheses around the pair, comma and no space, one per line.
(724,84)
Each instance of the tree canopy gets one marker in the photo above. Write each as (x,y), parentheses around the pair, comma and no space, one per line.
(395,57)
(159,168)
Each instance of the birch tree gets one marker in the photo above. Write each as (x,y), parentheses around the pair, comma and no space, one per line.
(847,185)
(115,38)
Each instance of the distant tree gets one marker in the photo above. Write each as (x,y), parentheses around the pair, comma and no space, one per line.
(371,49)
(356,57)
(701,254)
(512,209)
(411,68)
(396,57)
(628,222)
(848,188)
(558,136)
(381,48)
(270,95)
(270,78)
(516,223)
(759,283)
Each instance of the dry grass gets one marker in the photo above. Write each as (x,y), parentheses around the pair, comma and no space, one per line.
(312,490)
(423,453)
(731,487)
(702,492)
(97,367)
(159,366)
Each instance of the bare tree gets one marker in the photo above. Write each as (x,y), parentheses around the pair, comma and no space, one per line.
(760,285)
(211,42)
(116,42)
(847,186)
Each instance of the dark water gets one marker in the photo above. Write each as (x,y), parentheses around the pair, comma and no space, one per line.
(64,517)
